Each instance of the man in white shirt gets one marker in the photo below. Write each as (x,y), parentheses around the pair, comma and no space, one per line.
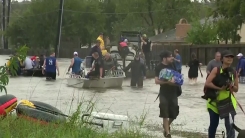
(28,63)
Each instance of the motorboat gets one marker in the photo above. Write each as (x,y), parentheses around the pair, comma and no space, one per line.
(112,78)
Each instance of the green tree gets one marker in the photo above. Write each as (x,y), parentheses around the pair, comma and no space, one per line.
(148,15)
(4,78)
(37,27)
(202,33)
(230,19)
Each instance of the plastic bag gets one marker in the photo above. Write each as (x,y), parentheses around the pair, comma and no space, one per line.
(167,74)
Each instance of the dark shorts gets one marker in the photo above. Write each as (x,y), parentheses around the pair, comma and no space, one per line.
(50,75)
(169,107)
(137,81)
(93,74)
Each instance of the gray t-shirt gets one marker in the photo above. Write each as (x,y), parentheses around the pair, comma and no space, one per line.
(212,64)
(28,63)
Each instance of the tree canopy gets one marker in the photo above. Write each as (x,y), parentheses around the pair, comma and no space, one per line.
(35,23)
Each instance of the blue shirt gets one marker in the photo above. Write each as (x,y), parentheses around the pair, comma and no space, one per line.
(241,64)
(77,65)
(51,64)
(178,64)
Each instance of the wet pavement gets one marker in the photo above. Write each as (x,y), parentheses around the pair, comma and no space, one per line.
(129,101)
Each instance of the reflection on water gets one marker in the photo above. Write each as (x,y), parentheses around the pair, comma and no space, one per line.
(126,100)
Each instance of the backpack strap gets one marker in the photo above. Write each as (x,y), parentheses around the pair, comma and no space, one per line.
(217,73)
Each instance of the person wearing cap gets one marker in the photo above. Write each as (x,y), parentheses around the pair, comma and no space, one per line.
(178,61)
(168,93)
(138,72)
(124,50)
(146,47)
(102,43)
(222,110)
(241,68)
(214,63)
(50,66)
(75,64)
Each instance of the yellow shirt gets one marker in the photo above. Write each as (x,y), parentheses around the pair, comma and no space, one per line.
(102,46)
(8,62)
(102,43)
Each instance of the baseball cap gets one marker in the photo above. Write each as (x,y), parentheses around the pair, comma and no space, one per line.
(144,35)
(125,40)
(75,53)
(226,53)
(165,54)
(239,55)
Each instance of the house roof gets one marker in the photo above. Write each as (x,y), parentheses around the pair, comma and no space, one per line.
(170,34)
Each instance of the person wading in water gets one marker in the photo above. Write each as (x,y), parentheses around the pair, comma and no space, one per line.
(51,65)
(178,60)
(146,47)
(214,63)
(168,95)
(75,64)
(224,102)
(138,72)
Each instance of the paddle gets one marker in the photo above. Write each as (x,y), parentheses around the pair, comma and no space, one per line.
(30,104)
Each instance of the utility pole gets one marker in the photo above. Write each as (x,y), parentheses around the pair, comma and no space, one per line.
(58,36)
(8,16)
(3,25)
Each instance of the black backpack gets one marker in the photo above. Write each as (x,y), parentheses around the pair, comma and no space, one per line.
(220,80)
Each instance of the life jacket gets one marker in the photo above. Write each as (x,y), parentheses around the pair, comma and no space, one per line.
(220,80)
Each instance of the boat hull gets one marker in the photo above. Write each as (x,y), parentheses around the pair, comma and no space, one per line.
(113,82)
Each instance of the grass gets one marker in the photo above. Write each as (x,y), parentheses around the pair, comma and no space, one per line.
(17,127)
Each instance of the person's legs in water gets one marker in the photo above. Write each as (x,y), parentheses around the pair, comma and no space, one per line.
(214,122)
(195,80)
(147,59)
(140,82)
(48,75)
(230,132)
(133,82)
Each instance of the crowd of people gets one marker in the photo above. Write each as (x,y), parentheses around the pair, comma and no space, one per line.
(28,65)
(221,82)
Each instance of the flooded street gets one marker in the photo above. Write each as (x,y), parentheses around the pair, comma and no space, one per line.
(126,101)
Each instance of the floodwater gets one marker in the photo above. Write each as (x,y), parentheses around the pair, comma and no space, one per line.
(125,101)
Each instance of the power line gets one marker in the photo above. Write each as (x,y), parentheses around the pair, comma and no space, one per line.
(112,13)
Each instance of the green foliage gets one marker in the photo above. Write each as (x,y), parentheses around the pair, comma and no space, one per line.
(230,16)
(20,55)
(37,26)
(35,23)
(202,33)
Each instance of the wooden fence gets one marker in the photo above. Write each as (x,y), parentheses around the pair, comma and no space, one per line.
(204,52)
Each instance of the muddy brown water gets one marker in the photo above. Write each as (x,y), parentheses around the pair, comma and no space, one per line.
(129,101)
